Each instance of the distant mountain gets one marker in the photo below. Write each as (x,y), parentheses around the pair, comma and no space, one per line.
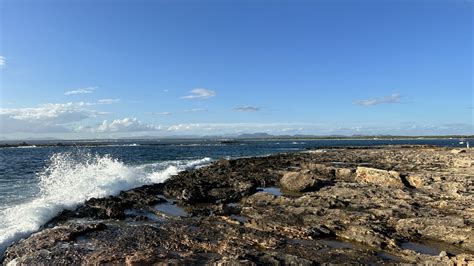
(254,136)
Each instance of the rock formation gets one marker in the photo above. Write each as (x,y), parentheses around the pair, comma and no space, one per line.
(351,205)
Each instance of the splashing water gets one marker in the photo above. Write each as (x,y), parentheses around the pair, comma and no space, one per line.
(74,177)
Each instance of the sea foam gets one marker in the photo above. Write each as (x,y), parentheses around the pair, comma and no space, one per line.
(74,177)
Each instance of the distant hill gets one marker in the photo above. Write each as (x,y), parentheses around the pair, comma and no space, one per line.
(254,136)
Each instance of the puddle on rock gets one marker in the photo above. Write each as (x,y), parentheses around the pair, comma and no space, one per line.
(388,257)
(81,238)
(132,213)
(432,248)
(420,248)
(239,218)
(171,209)
(336,243)
(338,163)
(271,190)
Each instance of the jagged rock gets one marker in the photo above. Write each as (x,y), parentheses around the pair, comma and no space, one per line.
(300,181)
(379,177)
(416,181)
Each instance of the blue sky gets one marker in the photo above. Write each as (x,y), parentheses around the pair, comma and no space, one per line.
(81,69)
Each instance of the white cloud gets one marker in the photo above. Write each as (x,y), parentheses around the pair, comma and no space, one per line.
(394,98)
(183,127)
(50,117)
(125,125)
(2,60)
(163,113)
(247,109)
(200,93)
(59,113)
(108,101)
(87,90)
(195,110)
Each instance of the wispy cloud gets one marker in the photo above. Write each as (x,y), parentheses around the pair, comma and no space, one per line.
(2,60)
(108,101)
(87,90)
(163,113)
(394,98)
(195,110)
(200,93)
(247,109)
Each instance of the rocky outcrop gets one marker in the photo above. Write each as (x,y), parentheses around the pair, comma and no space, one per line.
(300,181)
(379,177)
(357,206)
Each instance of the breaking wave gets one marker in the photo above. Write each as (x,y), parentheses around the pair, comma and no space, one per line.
(74,177)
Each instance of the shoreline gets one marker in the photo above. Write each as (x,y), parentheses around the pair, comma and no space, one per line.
(359,205)
(164,142)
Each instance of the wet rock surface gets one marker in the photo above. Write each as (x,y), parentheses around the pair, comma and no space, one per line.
(365,205)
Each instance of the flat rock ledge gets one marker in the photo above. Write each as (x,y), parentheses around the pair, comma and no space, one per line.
(396,204)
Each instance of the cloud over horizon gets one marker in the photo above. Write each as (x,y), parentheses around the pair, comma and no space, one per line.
(87,90)
(2,60)
(200,93)
(127,124)
(394,98)
(50,117)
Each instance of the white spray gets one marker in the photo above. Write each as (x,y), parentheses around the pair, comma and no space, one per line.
(73,178)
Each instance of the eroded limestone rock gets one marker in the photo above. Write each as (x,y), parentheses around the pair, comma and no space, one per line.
(342,215)
(379,177)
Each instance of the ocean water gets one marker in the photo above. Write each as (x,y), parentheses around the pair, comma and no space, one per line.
(36,183)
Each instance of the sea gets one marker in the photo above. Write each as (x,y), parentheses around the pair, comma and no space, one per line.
(37,182)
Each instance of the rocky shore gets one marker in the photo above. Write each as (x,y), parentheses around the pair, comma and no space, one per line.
(352,205)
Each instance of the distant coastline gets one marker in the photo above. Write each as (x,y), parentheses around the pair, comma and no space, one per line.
(223,140)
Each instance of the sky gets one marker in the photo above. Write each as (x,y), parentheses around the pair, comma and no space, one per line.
(105,69)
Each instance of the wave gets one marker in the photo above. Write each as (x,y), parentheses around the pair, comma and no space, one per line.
(74,177)
(297,143)
(26,147)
